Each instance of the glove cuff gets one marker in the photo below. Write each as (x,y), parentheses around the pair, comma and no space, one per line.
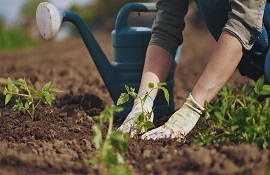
(193,104)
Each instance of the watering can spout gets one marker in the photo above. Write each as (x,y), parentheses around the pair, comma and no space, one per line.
(49,20)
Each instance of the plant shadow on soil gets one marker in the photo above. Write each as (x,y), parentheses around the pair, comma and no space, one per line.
(58,141)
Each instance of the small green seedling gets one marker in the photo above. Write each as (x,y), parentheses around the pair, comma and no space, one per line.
(113,147)
(26,96)
(237,117)
(143,123)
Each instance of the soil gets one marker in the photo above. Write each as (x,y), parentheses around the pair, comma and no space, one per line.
(60,137)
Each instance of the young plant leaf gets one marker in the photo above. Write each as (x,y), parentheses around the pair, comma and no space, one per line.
(97,140)
(48,97)
(118,109)
(124,97)
(5,91)
(119,142)
(8,98)
(46,86)
(149,125)
(151,85)
(10,84)
(53,89)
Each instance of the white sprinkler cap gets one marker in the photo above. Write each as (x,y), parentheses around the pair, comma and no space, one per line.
(48,19)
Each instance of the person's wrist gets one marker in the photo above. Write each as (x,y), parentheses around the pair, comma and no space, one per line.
(191,102)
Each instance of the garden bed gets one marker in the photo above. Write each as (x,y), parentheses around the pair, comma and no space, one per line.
(59,140)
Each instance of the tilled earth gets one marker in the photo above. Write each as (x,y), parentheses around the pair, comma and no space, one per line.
(60,137)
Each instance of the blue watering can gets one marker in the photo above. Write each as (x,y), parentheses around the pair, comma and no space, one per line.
(129,49)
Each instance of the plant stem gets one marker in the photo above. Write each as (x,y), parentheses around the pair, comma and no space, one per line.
(23,95)
(33,111)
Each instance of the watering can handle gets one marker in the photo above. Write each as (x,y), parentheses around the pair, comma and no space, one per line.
(122,17)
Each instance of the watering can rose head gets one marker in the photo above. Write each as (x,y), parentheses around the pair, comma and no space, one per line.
(48,19)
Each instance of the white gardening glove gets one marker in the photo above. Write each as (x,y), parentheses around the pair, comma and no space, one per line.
(180,123)
(129,126)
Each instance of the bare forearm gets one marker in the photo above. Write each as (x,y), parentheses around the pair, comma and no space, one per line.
(157,66)
(220,67)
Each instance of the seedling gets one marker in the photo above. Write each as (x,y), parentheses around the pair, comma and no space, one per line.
(113,147)
(237,117)
(25,101)
(143,123)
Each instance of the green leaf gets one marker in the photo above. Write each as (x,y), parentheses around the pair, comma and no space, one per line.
(119,170)
(148,125)
(139,129)
(21,81)
(132,92)
(97,140)
(141,117)
(46,86)
(219,115)
(48,97)
(7,99)
(15,107)
(32,90)
(234,127)
(26,105)
(118,109)
(15,89)
(224,91)
(162,84)
(244,89)
(259,85)
(10,84)
(124,97)
(265,90)
(119,142)
(53,89)
(167,96)
(234,92)
(151,85)
(127,88)
(224,106)
(5,91)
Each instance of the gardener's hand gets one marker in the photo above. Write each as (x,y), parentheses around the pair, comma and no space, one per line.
(129,126)
(180,123)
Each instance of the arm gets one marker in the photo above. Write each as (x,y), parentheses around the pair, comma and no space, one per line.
(240,32)
(220,67)
(166,37)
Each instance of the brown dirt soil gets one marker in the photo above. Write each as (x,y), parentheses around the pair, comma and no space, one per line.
(60,137)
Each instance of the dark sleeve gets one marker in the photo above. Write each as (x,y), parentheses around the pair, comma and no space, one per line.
(246,20)
(167,30)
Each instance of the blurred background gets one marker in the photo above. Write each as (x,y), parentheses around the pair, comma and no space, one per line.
(18,24)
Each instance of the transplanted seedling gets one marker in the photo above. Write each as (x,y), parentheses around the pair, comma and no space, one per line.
(112,148)
(237,117)
(143,121)
(25,101)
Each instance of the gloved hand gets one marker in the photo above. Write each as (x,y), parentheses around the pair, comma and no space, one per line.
(128,125)
(180,123)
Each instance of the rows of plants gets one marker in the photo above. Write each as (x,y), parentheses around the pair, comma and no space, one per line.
(15,39)
(234,117)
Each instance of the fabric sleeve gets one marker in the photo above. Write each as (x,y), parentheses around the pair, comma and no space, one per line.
(246,20)
(167,30)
